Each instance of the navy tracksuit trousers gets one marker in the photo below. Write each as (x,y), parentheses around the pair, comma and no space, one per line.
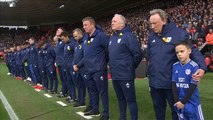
(98,84)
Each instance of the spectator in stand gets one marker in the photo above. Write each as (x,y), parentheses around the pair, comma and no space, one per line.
(209,37)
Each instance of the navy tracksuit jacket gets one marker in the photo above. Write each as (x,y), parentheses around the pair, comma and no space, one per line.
(8,54)
(124,57)
(42,68)
(68,67)
(49,59)
(19,64)
(59,50)
(162,56)
(33,64)
(95,63)
(79,76)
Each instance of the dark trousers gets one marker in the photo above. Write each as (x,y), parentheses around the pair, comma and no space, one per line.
(159,98)
(17,70)
(98,84)
(70,82)
(21,71)
(63,79)
(27,69)
(43,74)
(125,92)
(51,72)
(80,87)
(34,73)
(88,91)
(8,66)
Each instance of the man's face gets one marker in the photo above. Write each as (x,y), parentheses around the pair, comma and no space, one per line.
(156,23)
(43,46)
(18,48)
(88,26)
(65,39)
(76,36)
(59,31)
(31,41)
(116,24)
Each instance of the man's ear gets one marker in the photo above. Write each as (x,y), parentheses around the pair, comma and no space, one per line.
(190,51)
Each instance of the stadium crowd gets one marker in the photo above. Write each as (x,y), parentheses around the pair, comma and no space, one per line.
(194,16)
(35,59)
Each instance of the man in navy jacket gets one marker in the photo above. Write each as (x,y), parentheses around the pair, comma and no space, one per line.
(41,66)
(78,67)
(95,63)
(49,60)
(124,57)
(68,65)
(59,61)
(33,61)
(161,56)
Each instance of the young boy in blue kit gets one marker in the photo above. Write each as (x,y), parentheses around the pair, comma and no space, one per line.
(185,91)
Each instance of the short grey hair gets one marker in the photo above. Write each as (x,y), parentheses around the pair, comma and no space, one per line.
(78,30)
(122,20)
(163,15)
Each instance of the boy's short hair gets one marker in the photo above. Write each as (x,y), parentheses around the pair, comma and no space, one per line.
(65,34)
(186,43)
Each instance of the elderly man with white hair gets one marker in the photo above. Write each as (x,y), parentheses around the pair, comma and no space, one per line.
(124,57)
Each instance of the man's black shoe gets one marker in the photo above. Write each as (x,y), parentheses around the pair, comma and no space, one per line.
(79,105)
(92,113)
(104,118)
(89,108)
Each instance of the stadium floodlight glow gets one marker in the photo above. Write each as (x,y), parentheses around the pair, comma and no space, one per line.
(62,6)
(7,1)
(11,3)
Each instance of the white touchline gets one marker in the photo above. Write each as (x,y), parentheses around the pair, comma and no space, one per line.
(47,95)
(37,90)
(7,106)
(82,114)
(61,103)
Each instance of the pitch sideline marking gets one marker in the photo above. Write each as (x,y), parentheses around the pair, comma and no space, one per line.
(47,95)
(82,114)
(61,103)
(37,90)
(7,106)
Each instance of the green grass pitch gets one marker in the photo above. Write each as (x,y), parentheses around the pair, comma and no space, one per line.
(31,105)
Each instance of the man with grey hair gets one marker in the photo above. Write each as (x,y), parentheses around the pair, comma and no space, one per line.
(161,57)
(124,57)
